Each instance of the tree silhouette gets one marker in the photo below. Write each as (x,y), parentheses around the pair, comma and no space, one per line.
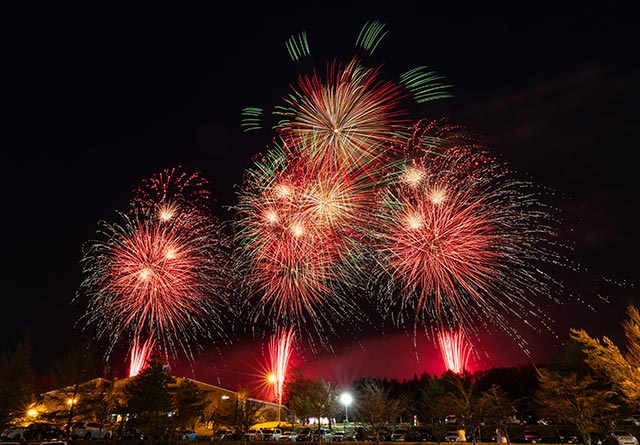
(149,399)
(573,399)
(435,404)
(239,413)
(16,382)
(605,358)
(493,408)
(78,389)
(312,398)
(375,406)
(189,404)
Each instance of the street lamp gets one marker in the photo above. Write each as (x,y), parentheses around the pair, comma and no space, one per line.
(273,379)
(346,399)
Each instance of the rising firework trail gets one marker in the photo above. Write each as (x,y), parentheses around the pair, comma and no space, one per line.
(455,350)
(140,355)
(280,349)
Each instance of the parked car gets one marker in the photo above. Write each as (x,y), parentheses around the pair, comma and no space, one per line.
(338,436)
(399,435)
(383,434)
(188,435)
(630,421)
(46,442)
(233,437)
(304,435)
(566,436)
(531,436)
(131,434)
(287,436)
(271,433)
(450,419)
(597,439)
(453,436)
(321,434)
(420,435)
(14,433)
(90,430)
(253,434)
(623,437)
(38,431)
(220,435)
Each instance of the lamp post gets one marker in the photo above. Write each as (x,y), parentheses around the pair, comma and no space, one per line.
(72,403)
(346,399)
(273,379)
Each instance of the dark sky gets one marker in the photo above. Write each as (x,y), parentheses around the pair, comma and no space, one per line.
(98,98)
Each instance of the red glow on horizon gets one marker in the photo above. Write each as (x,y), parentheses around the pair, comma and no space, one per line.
(392,357)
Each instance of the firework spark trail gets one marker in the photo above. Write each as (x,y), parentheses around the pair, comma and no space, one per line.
(156,277)
(169,189)
(455,350)
(140,355)
(280,350)
(460,237)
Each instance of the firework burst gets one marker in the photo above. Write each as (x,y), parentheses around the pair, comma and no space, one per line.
(157,276)
(298,228)
(351,116)
(347,119)
(460,236)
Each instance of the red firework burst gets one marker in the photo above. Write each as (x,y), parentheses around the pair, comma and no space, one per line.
(460,235)
(155,279)
(440,243)
(298,227)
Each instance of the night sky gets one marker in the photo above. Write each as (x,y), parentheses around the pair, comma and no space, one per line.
(97,99)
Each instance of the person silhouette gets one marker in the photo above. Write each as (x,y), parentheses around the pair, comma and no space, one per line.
(500,436)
